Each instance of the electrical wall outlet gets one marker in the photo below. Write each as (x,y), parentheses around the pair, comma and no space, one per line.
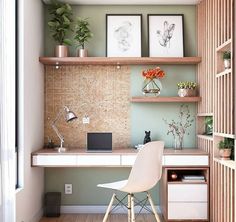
(86,120)
(68,188)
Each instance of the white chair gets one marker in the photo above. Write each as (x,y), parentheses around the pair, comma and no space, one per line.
(144,175)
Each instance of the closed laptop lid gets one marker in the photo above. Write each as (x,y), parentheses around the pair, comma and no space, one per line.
(99,142)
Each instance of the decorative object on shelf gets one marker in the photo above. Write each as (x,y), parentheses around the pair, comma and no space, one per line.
(82,35)
(60,25)
(69,116)
(165,35)
(123,35)
(227,59)
(173,175)
(152,84)
(147,137)
(187,89)
(208,125)
(225,148)
(179,128)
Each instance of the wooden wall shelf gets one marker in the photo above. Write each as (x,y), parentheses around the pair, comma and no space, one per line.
(143,99)
(206,137)
(119,60)
(226,46)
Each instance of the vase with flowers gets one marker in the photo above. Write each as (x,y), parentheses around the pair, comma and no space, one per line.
(179,128)
(152,84)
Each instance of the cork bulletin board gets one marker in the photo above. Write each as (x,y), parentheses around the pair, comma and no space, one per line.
(100,92)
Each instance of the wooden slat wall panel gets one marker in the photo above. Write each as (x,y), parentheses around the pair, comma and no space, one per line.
(216,88)
(207,145)
(206,49)
(223,195)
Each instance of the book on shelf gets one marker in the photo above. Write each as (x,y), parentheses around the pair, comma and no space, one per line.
(200,180)
(193,178)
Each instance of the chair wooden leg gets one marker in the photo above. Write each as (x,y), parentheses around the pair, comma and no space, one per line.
(153,208)
(129,207)
(132,208)
(109,208)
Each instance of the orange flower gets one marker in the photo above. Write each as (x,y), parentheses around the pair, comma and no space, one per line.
(153,73)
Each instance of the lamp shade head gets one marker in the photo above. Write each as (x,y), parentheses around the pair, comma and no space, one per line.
(70,116)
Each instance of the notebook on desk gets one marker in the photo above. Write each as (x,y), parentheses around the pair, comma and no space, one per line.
(99,142)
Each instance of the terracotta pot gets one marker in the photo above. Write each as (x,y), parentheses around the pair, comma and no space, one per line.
(186,92)
(225,154)
(61,51)
(82,53)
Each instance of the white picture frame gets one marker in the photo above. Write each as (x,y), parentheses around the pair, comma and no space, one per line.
(123,35)
(166,35)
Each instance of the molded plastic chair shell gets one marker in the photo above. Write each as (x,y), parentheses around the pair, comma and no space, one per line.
(146,171)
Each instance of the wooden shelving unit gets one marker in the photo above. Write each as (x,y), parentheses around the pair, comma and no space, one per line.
(206,137)
(119,60)
(146,99)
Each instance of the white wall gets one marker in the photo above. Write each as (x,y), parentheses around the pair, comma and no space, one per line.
(29,200)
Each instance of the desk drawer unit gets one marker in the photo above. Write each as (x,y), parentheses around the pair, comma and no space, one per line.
(101,160)
(186,160)
(187,201)
(54,160)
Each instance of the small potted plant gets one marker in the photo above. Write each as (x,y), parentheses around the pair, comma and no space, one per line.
(60,25)
(82,35)
(186,89)
(227,59)
(225,148)
(208,125)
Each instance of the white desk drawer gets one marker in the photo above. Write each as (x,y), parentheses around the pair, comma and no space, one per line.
(186,160)
(187,211)
(98,160)
(54,160)
(128,160)
(187,192)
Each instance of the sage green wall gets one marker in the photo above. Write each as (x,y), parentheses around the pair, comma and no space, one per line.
(143,116)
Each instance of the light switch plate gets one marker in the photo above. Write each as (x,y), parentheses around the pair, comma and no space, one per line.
(86,120)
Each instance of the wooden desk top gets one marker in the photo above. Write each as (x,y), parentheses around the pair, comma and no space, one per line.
(126,151)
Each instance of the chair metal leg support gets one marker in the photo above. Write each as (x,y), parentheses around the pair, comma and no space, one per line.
(109,208)
(129,207)
(153,208)
(132,208)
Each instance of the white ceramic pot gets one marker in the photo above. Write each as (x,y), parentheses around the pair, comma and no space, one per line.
(186,92)
(61,51)
(227,63)
(225,154)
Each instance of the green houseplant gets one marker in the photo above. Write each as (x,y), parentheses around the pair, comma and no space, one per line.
(186,89)
(208,125)
(225,148)
(227,59)
(60,25)
(82,35)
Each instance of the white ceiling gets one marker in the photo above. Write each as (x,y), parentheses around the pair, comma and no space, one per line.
(130,2)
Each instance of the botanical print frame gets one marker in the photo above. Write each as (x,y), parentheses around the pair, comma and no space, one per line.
(123,35)
(166,35)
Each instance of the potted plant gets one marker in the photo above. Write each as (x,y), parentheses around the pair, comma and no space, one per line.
(59,25)
(186,89)
(225,148)
(227,59)
(82,35)
(208,125)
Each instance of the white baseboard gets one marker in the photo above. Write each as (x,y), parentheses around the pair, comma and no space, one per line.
(37,216)
(88,209)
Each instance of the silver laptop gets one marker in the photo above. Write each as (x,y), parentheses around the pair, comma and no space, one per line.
(99,142)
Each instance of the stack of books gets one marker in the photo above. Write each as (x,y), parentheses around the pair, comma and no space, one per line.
(193,178)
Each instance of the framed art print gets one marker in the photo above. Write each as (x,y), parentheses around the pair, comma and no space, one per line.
(166,35)
(123,35)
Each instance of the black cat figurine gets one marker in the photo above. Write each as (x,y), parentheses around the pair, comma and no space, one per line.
(147,137)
